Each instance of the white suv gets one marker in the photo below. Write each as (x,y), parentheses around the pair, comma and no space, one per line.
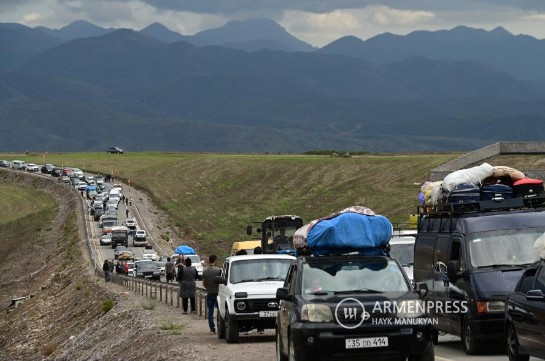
(247,293)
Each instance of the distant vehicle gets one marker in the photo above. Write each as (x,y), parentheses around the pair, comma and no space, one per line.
(56,172)
(120,236)
(277,233)
(75,181)
(17,164)
(68,172)
(106,239)
(131,271)
(107,223)
(150,254)
(112,203)
(130,223)
(47,168)
(81,186)
(89,179)
(113,150)
(248,246)
(118,250)
(148,270)
(78,173)
(402,249)
(138,262)
(31,167)
(161,264)
(98,213)
(64,178)
(139,238)
(197,263)
(4,164)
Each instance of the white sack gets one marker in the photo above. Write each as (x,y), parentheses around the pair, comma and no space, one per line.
(473,175)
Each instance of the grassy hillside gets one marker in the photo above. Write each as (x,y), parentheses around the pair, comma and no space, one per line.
(212,197)
(24,212)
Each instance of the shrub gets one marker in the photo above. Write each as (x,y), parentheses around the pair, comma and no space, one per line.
(107,305)
(172,327)
(79,286)
(148,305)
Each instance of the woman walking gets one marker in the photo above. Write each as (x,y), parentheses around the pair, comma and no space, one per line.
(187,276)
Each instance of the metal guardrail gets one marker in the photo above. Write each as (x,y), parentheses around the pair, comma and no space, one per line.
(163,292)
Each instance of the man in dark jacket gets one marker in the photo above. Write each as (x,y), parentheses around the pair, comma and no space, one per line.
(208,276)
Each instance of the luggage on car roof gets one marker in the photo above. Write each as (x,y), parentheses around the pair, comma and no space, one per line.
(496,192)
(354,229)
(528,188)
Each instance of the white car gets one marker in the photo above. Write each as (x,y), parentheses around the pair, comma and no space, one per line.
(31,167)
(402,249)
(139,238)
(17,164)
(257,277)
(90,179)
(131,224)
(78,173)
(195,262)
(150,254)
(106,239)
(112,202)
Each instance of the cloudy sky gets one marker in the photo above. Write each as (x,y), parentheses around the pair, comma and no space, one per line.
(315,21)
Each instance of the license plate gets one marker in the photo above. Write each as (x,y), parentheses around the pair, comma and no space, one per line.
(366,342)
(268,313)
(148,276)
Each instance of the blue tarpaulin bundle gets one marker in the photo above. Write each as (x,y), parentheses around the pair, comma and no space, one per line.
(184,250)
(346,231)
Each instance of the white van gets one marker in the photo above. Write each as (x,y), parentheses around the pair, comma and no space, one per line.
(17,164)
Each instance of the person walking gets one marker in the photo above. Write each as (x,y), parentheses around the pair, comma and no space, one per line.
(187,276)
(208,276)
(106,269)
(130,201)
(127,213)
(111,264)
(169,270)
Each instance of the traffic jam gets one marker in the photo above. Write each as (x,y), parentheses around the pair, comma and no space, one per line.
(352,285)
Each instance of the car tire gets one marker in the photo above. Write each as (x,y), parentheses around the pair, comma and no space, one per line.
(293,355)
(427,355)
(280,356)
(221,326)
(468,339)
(512,346)
(231,328)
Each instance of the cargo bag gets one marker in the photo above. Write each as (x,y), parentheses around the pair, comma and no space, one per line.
(464,196)
(496,192)
(528,188)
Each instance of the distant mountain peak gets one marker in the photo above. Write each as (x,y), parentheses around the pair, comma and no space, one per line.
(78,24)
(500,31)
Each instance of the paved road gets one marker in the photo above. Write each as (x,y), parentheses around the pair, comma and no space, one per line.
(450,349)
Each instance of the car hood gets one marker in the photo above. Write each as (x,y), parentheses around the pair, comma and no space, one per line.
(265,288)
(495,283)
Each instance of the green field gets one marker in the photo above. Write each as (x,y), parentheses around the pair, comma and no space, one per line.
(212,197)
(24,212)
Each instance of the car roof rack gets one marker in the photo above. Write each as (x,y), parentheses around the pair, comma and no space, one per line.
(483,206)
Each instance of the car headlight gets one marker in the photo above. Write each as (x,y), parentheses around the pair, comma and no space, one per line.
(314,312)
(490,307)
(410,309)
(155,272)
(241,305)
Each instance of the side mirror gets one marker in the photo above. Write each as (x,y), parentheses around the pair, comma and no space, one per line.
(422,289)
(282,293)
(219,280)
(249,230)
(453,271)
(535,295)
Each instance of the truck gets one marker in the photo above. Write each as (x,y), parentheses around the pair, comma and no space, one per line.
(277,233)
(120,236)
(107,223)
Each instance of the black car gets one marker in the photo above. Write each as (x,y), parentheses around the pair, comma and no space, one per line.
(56,172)
(475,257)
(341,307)
(47,168)
(148,270)
(525,315)
(114,150)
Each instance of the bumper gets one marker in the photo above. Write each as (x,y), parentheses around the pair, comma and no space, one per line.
(329,342)
(250,321)
(488,329)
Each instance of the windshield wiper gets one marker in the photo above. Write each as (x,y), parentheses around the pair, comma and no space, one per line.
(503,265)
(248,280)
(361,290)
(270,279)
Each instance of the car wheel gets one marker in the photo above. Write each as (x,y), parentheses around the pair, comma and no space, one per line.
(427,355)
(468,339)
(292,353)
(231,328)
(512,346)
(279,351)
(221,326)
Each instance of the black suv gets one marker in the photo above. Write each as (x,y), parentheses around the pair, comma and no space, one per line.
(114,150)
(525,316)
(342,307)
(476,257)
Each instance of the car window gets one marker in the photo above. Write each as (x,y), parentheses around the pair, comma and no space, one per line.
(527,282)
(540,282)
(293,280)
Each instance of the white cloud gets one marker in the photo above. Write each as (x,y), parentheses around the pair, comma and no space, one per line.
(385,16)
(538,17)
(31,19)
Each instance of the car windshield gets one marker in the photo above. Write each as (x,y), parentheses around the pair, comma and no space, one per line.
(147,266)
(194,259)
(256,270)
(346,276)
(504,247)
(403,252)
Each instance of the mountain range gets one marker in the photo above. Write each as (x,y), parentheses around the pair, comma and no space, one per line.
(251,86)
